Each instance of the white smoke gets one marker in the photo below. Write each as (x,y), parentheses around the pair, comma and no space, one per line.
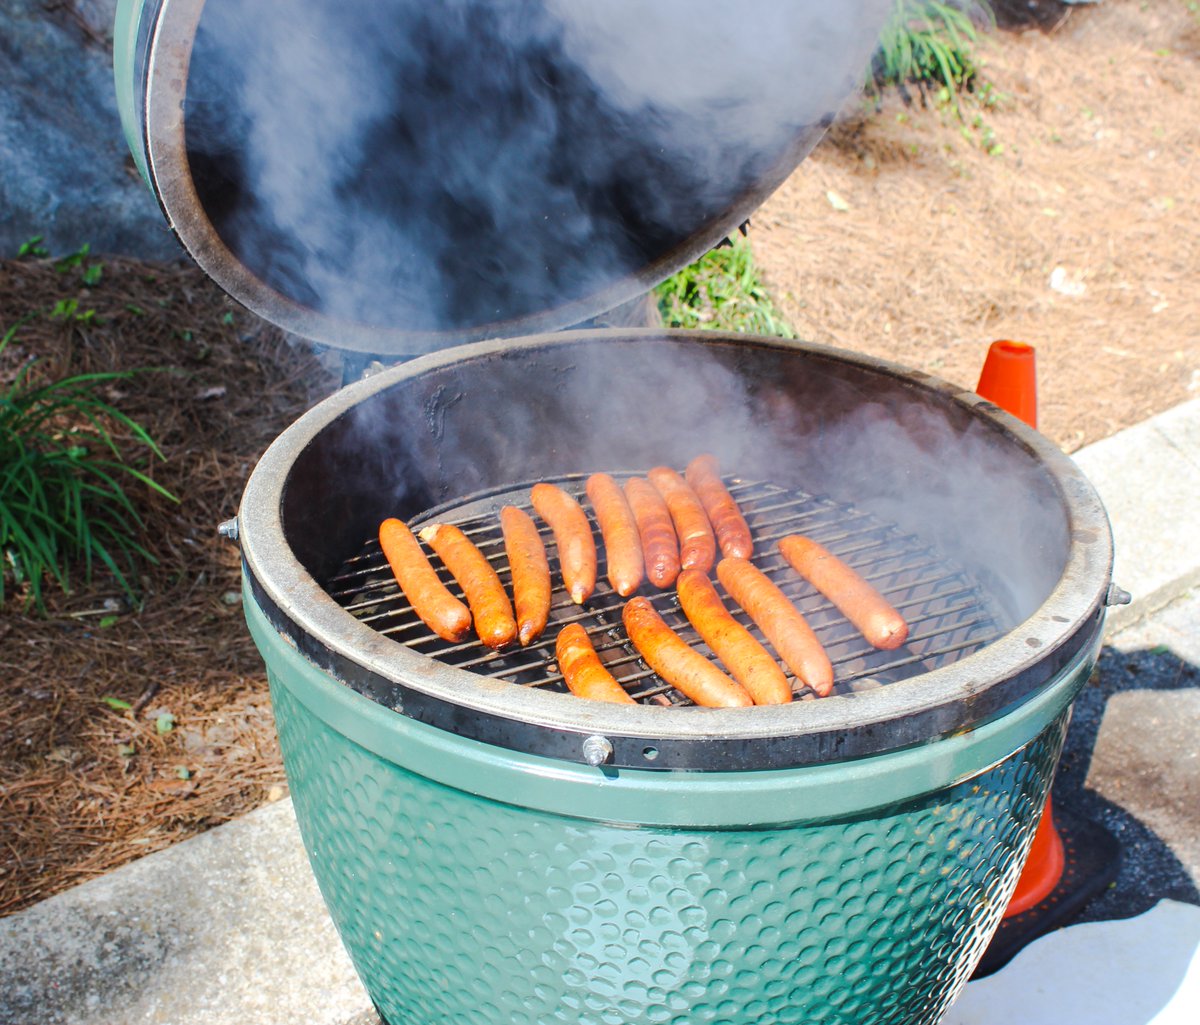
(451,166)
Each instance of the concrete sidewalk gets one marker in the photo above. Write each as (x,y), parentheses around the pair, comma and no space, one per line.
(1149,479)
(229,927)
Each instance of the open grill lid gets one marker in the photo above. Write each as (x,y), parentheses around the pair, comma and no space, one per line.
(395,176)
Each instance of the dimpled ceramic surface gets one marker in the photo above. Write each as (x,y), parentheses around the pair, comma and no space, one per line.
(460,909)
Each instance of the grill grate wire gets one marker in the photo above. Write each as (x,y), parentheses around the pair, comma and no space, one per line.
(948,612)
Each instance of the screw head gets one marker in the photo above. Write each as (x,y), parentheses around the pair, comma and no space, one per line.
(229,529)
(597,750)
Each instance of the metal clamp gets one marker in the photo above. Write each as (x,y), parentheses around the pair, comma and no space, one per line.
(229,529)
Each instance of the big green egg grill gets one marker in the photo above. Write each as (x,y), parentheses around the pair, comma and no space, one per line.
(495,850)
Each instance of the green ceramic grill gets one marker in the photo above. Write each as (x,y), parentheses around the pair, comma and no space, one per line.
(493,849)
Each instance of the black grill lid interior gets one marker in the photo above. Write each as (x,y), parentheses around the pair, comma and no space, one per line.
(397,175)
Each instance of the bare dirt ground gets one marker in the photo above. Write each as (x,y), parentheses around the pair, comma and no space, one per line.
(1065,216)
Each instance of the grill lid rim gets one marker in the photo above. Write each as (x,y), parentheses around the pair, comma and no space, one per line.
(156,134)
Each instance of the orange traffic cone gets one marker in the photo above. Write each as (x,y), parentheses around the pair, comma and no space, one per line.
(1072,861)
(1043,869)
(1009,379)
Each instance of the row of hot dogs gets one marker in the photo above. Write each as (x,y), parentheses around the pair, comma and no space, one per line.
(665,528)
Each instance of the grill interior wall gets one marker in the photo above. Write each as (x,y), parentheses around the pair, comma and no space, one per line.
(800,419)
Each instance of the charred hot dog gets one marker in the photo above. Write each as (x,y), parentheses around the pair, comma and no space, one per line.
(780,621)
(573,535)
(660,547)
(438,609)
(748,661)
(858,601)
(676,662)
(494,621)
(530,572)
(697,545)
(733,533)
(618,527)
(582,669)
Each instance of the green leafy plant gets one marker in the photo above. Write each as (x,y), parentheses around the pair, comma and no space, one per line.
(63,500)
(33,248)
(927,43)
(721,291)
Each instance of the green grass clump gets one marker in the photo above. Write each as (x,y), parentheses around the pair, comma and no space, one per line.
(64,507)
(721,291)
(925,43)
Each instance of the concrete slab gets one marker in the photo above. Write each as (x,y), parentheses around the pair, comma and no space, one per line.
(227,928)
(1149,480)
(1130,761)
(1134,972)
(1146,758)
(1174,628)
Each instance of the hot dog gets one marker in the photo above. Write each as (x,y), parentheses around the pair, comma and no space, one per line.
(659,544)
(530,572)
(677,663)
(733,533)
(573,535)
(697,545)
(780,621)
(858,601)
(582,670)
(494,621)
(618,527)
(438,609)
(748,661)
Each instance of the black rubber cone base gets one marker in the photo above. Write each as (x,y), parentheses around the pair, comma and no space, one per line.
(1091,856)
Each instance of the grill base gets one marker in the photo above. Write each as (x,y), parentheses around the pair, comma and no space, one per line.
(446,873)
(948,611)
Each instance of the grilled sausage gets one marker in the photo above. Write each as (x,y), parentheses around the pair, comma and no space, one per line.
(681,666)
(780,621)
(697,545)
(582,670)
(618,527)
(530,572)
(858,601)
(733,533)
(573,535)
(659,544)
(494,621)
(438,609)
(748,661)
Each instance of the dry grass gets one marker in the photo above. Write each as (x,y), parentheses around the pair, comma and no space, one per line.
(83,786)
(946,246)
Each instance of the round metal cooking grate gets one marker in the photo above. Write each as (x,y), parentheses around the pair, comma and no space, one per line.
(948,611)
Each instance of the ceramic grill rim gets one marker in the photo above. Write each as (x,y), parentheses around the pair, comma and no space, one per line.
(944,701)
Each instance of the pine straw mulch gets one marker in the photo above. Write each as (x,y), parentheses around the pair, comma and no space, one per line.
(72,804)
(1066,217)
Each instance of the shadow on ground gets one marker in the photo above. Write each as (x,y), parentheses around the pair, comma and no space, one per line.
(1124,767)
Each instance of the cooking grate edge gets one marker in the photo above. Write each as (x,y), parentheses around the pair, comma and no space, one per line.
(949,612)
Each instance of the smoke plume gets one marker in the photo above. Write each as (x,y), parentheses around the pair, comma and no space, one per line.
(454,166)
